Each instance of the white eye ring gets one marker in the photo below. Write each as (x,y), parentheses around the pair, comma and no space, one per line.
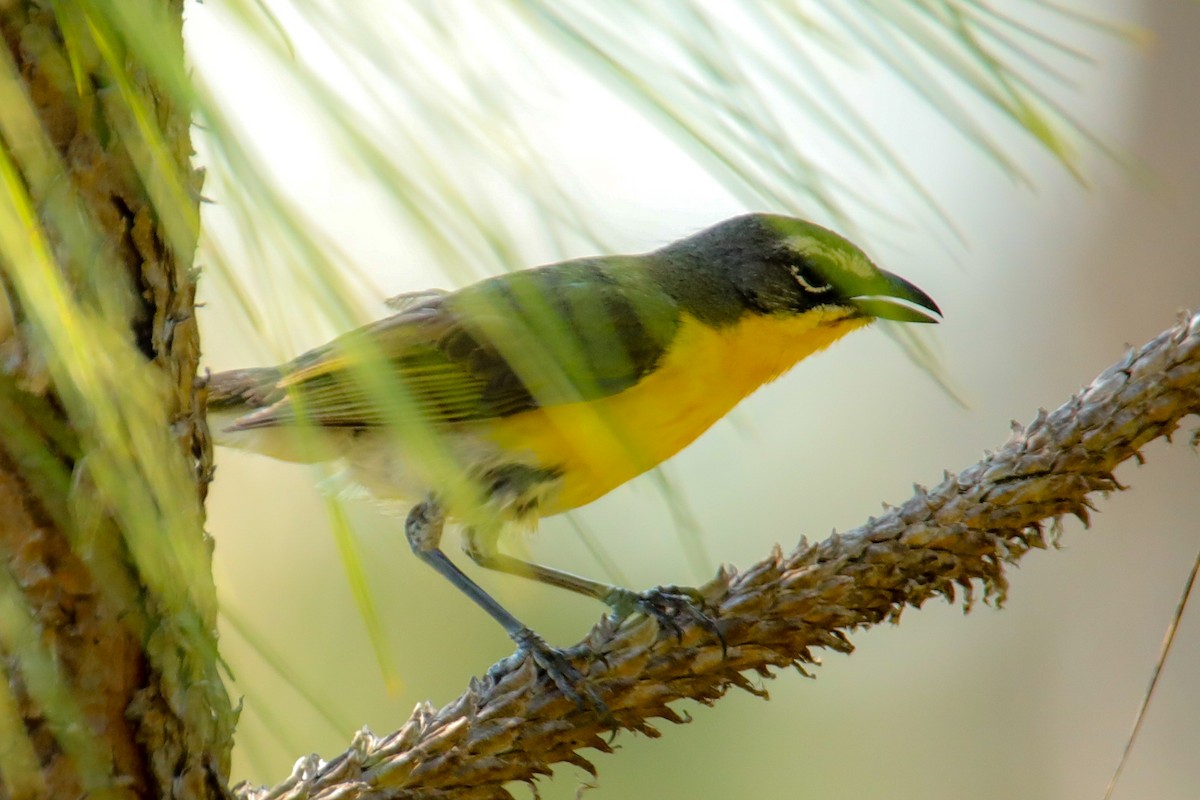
(804,284)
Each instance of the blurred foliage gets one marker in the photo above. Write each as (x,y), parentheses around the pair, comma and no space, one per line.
(428,101)
(425,98)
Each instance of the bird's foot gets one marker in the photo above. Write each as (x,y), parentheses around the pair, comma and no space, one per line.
(668,605)
(555,663)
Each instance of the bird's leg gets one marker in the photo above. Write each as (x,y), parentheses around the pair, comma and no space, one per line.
(667,604)
(423,529)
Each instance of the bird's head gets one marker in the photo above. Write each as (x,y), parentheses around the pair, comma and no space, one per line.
(780,264)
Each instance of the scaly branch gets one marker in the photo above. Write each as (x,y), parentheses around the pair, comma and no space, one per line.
(511,726)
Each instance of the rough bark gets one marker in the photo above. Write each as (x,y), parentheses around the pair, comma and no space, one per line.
(112,697)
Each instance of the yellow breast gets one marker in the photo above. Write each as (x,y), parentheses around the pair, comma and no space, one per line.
(601,444)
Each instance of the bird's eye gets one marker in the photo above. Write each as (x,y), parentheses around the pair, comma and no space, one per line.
(807,282)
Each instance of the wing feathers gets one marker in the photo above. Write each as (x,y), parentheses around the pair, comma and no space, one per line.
(539,337)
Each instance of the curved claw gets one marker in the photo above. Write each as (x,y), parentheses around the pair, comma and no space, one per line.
(561,671)
(667,605)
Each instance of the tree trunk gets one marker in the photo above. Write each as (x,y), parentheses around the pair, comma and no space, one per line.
(111,686)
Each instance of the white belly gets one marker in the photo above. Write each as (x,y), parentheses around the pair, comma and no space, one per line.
(396,474)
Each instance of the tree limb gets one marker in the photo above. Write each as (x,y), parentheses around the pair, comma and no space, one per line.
(512,726)
(109,682)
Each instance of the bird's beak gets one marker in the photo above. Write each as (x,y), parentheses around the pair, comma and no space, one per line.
(891,297)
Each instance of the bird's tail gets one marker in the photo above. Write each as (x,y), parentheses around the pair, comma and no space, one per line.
(240,391)
(235,394)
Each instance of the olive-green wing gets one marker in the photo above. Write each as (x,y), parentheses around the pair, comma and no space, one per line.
(567,332)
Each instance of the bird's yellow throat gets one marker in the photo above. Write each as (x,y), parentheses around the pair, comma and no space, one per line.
(599,445)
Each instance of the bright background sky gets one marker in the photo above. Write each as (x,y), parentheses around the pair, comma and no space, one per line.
(1052,284)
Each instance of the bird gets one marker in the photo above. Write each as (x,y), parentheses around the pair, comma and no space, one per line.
(535,392)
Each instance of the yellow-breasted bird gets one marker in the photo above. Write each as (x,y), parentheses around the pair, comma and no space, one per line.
(535,392)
